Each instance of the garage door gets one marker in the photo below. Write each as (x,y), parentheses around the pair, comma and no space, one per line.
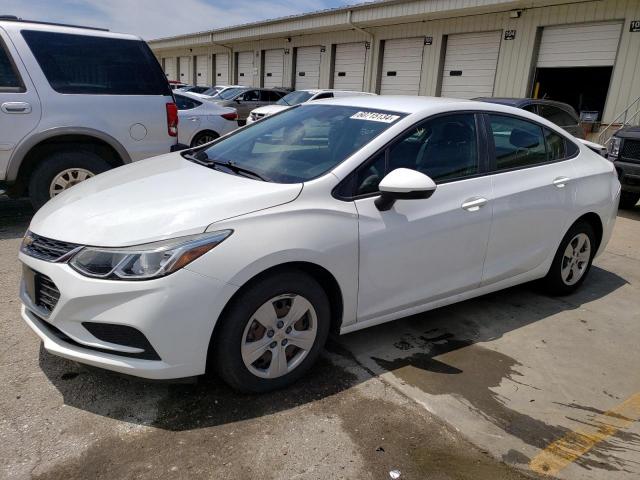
(273,68)
(171,68)
(470,65)
(222,69)
(401,66)
(185,69)
(202,70)
(307,68)
(349,65)
(245,68)
(585,45)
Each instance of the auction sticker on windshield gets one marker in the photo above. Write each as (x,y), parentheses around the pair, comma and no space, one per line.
(375,117)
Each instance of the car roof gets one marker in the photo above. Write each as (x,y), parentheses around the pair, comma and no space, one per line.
(520,102)
(399,103)
(15,26)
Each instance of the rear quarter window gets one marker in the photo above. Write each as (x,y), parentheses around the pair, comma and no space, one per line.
(83,64)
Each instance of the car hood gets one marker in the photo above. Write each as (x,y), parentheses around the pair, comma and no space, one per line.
(153,199)
(628,132)
(270,109)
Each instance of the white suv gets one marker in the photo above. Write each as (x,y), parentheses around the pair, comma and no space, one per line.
(75,102)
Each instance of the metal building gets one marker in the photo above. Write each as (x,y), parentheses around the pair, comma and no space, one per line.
(586,53)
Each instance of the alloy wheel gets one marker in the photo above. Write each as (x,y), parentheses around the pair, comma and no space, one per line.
(575,260)
(279,335)
(67,179)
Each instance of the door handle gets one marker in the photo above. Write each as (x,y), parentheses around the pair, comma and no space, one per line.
(474,204)
(561,182)
(16,107)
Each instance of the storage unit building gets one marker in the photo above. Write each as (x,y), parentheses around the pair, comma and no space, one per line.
(470,64)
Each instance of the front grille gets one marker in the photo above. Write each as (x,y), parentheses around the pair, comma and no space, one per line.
(630,150)
(46,248)
(46,292)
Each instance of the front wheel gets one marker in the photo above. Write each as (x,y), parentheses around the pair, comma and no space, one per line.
(272,333)
(628,200)
(572,261)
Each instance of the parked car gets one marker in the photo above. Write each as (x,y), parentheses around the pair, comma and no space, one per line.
(243,255)
(245,99)
(202,121)
(193,89)
(562,114)
(624,151)
(297,97)
(75,102)
(215,90)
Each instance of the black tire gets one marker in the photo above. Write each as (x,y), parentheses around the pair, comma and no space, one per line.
(628,200)
(203,137)
(225,350)
(553,283)
(55,163)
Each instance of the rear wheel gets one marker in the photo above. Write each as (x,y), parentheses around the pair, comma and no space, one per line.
(204,137)
(60,171)
(629,200)
(272,333)
(572,261)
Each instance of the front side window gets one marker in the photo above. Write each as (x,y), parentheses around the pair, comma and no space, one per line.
(444,148)
(518,143)
(251,96)
(9,80)
(303,142)
(82,64)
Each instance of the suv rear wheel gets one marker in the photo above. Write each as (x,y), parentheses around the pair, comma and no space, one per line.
(629,200)
(61,170)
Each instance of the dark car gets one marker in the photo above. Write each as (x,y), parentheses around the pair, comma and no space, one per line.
(559,113)
(624,152)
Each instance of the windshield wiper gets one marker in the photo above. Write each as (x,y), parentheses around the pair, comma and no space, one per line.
(201,158)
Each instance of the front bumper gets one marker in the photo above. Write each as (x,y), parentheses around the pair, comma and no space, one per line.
(176,314)
(629,175)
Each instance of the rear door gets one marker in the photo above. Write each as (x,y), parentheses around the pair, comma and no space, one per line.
(19,102)
(534,186)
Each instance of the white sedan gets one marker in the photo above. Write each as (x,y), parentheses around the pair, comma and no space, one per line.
(202,121)
(242,256)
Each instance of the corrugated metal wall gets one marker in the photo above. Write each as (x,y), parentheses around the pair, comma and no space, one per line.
(516,61)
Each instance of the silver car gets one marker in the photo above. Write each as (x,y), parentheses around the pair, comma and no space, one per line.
(245,99)
(202,121)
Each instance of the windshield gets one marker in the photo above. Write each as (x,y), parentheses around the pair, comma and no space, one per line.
(230,93)
(303,142)
(295,98)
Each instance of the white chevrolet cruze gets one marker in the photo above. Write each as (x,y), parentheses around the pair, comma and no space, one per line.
(241,256)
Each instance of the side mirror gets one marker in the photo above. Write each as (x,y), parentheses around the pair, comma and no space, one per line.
(403,184)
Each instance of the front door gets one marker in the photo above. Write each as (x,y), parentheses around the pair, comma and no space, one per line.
(424,250)
(19,103)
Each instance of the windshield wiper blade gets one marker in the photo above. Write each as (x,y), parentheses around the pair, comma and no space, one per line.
(240,170)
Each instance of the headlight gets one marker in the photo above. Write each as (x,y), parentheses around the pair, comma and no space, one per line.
(614,147)
(144,262)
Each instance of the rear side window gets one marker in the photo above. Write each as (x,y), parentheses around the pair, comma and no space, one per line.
(9,80)
(556,149)
(82,64)
(557,115)
(518,143)
(184,103)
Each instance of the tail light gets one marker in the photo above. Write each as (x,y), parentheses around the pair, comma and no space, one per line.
(230,116)
(172,119)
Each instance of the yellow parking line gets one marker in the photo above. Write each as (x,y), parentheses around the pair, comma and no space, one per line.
(572,446)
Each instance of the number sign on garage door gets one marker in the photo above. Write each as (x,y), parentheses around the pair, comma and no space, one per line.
(185,69)
(307,67)
(222,69)
(202,70)
(402,66)
(470,65)
(273,68)
(584,45)
(245,68)
(171,68)
(350,60)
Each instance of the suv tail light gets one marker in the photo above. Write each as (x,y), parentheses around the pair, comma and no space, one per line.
(172,119)
(230,116)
